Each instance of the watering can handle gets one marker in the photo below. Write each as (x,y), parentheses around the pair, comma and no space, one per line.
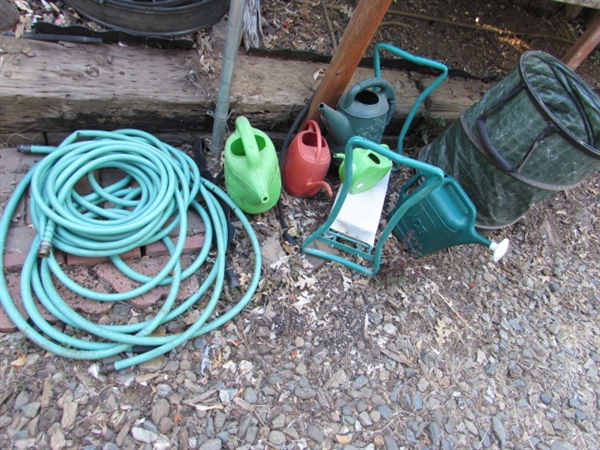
(381,83)
(313,126)
(244,128)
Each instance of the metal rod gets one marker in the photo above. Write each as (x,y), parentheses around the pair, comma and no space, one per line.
(232,45)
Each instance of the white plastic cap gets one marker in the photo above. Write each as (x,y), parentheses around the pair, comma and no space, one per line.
(499,249)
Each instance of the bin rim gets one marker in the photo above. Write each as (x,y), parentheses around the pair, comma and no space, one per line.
(531,89)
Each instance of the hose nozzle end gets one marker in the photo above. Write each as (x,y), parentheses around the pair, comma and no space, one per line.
(24,148)
(105,369)
(44,250)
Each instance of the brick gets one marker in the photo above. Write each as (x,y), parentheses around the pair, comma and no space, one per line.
(85,261)
(11,161)
(8,183)
(82,277)
(59,256)
(195,224)
(121,283)
(14,288)
(18,243)
(110,176)
(193,244)
(83,186)
(150,267)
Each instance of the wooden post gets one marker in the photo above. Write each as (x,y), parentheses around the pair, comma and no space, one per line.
(355,41)
(586,43)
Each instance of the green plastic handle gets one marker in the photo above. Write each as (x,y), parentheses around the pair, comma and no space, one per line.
(243,126)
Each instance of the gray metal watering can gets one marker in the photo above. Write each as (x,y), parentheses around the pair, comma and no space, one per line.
(365,110)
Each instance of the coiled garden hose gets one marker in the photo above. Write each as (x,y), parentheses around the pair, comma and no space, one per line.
(160,184)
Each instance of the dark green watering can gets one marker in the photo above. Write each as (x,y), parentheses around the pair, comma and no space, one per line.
(365,110)
(444,218)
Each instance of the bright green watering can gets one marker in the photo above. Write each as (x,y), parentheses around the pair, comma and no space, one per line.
(252,175)
(368,169)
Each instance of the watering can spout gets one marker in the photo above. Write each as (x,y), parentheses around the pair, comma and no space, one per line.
(499,249)
(320,184)
(339,128)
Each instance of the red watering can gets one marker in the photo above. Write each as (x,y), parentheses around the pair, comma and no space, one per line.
(306,162)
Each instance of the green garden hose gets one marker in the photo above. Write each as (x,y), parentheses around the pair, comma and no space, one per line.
(159,186)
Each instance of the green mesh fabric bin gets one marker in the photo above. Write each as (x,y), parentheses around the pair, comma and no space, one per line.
(534,133)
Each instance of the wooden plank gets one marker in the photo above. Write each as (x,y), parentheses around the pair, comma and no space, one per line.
(275,91)
(452,96)
(52,89)
(357,37)
(586,43)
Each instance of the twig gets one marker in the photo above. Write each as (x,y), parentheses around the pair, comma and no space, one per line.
(329,25)
(397,24)
(450,306)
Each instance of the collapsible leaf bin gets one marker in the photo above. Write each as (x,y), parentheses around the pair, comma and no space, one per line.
(534,133)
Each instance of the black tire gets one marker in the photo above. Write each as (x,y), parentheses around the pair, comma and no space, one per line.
(156,18)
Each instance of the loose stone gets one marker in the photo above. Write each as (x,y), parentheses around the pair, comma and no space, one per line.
(212,444)
(315,434)
(250,395)
(365,419)
(305,393)
(160,409)
(276,437)
(142,435)
(360,382)
(435,434)
(499,431)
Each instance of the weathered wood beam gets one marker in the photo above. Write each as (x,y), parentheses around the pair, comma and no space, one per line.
(48,88)
(586,43)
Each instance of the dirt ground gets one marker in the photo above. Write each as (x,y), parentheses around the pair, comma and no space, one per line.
(483,38)
(451,351)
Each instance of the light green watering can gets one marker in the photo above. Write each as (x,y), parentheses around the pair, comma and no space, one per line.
(252,175)
(368,169)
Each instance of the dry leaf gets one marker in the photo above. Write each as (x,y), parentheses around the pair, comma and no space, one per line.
(443,330)
(19,362)
(305,282)
(347,10)
(303,300)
